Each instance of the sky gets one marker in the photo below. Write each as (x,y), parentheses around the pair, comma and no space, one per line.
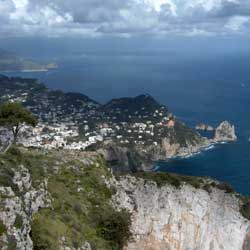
(124,18)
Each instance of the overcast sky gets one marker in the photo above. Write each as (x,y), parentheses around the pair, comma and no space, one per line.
(124,18)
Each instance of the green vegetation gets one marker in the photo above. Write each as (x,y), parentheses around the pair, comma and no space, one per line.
(81,209)
(114,227)
(18,222)
(182,135)
(13,116)
(176,180)
(162,179)
(226,187)
(2,228)
(6,175)
(38,165)
(245,207)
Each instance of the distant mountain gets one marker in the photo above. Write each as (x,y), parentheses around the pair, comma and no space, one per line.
(12,62)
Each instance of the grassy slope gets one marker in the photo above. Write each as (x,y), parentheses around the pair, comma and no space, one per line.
(81,209)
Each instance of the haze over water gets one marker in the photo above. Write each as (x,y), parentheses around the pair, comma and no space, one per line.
(196,89)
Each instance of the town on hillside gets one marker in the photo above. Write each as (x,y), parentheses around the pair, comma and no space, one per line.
(74,121)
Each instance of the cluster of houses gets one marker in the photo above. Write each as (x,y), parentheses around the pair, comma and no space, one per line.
(73,121)
(68,135)
(55,136)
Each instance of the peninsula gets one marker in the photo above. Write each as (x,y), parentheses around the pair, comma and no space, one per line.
(11,62)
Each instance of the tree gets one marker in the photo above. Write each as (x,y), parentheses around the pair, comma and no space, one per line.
(14,116)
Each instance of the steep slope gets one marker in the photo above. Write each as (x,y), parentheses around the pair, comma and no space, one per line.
(58,200)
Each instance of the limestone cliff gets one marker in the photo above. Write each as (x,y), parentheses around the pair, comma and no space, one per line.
(184,218)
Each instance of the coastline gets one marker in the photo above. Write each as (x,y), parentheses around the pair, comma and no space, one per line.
(25,70)
(199,151)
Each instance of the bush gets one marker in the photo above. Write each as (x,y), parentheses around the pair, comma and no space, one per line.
(175,180)
(115,228)
(226,187)
(18,222)
(245,208)
(2,228)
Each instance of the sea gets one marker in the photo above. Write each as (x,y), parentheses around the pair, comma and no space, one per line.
(196,89)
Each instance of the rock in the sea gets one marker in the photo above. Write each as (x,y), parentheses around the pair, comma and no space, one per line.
(225,132)
(204,127)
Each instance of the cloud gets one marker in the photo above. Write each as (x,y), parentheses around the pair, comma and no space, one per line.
(126,18)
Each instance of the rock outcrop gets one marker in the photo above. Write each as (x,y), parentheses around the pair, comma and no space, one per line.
(17,208)
(204,127)
(142,158)
(184,218)
(57,200)
(225,132)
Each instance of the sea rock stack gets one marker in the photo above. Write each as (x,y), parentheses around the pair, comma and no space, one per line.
(204,127)
(225,132)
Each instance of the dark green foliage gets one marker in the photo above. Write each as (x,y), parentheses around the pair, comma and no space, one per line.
(207,187)
(114,227)
(18,222)
(162,179)
(6,175)
(13,115)
(2,228)
(36,164)
(182,135)
(245,207)
(226,187)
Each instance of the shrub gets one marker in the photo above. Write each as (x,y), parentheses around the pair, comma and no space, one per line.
(175,180)
(19,221)
(226,187)
(115,228)
(245,208)
(3,229)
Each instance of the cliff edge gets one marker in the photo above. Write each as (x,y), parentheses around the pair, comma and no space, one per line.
(188,217)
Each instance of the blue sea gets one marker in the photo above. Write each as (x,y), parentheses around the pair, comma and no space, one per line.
(197,89)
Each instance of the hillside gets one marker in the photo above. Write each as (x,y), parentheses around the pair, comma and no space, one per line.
(12,62)
(132,133)
(139,129)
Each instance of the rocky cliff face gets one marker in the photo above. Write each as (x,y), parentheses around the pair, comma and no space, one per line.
(19,202)
(142,158)
(184,218)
